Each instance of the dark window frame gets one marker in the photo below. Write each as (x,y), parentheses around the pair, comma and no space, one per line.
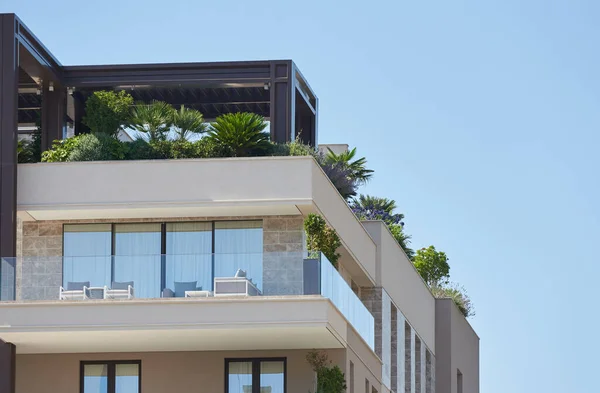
(255,371)
(111,375)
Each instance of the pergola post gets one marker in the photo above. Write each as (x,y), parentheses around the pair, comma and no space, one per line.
(9,88)
(282,101)
(53,114)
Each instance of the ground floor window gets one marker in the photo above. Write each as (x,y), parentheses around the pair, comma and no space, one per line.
(255,375)
(111,377)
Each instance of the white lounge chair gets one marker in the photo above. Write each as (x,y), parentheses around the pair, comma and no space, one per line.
(75,291)
(119,290)
(239,285)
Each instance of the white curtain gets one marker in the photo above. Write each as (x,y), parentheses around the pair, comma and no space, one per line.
(189,258)
(86,250)
(239,245)
(137,257)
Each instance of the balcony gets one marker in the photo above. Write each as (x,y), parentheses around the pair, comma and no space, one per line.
(197,278)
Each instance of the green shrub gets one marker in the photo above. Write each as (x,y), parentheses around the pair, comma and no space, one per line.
(139,149)
(242,132)
(330,378)
(61,150)
(208,148)
(97,147)
(458,295)
(321,237)
(295,148)
(108,111)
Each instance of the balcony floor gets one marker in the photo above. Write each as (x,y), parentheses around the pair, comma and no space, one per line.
(249,323)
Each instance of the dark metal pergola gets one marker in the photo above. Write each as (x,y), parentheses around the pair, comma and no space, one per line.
(36,89)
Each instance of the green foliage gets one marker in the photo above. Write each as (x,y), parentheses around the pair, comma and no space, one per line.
(139,149)
(242,132)
(330,378)
(321,237)
(340,178)
(368,207)
(97,147)
(108,112)
(154,119)
(432,265)
(373,203)
(357,167)
(208,148)
(458,295)
(402,238)
(30,151)
(294,148)
(187,122)
(61,150)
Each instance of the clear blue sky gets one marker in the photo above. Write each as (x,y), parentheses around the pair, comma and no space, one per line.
(480,118)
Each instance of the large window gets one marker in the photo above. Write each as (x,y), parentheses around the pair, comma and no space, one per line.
(239,245)
(87,254)
(189,254)
(155,256)
(255,375)
(137,250)
(111,377)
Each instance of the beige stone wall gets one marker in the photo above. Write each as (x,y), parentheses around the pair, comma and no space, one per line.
(161,371)
(39,244)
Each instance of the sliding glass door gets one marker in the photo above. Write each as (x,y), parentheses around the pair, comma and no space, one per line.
(189,255)
(155,256)
(87,254)
(137,259)
(239,245)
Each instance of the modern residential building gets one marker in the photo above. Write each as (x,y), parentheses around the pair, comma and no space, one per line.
(192,275)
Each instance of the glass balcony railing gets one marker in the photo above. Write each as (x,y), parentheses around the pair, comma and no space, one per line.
(182,275)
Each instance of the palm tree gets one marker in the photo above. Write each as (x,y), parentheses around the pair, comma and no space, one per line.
(358,169)
(153,119)
(242,132)
(368,202)
(188,121)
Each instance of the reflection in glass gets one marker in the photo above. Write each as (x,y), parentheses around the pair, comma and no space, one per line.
(239,377)
(95,378)
(189,258)
(137,257)
(127,378)
(271,377)
(239,245)
(86,250)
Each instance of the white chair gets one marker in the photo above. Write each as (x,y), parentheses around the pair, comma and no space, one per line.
(119,290)
(75,291)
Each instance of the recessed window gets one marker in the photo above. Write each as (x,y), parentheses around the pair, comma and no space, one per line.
(152,257)
(459,382)
(255,375)
(111,377)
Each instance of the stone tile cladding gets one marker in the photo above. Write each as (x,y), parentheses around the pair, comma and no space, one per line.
(39,246)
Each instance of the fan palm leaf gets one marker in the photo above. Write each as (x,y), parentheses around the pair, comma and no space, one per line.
(373,203)
(358,167)
(154,119)
(188,121)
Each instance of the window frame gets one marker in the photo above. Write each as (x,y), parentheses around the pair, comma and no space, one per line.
(111,373)
(255,371)
(163,241)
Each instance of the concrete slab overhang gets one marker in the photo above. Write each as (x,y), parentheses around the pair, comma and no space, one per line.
(194,188)
(261,323)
